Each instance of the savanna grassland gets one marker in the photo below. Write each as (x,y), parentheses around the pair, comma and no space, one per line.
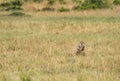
(41,47)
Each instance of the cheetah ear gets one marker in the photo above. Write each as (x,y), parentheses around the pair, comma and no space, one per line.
(82,42)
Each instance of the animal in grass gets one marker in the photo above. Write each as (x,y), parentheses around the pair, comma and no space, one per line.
(80,48)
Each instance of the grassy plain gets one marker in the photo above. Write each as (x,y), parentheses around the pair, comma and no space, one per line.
(41,47)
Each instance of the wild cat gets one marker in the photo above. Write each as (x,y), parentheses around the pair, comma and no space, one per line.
(80,48)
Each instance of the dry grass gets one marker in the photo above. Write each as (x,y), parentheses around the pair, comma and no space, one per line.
(40,47)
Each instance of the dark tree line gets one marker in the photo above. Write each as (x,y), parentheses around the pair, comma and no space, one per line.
(80,4)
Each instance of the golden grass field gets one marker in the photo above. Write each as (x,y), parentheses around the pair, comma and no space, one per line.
(41,47)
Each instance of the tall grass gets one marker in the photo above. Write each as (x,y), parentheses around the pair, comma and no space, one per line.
(42,47)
